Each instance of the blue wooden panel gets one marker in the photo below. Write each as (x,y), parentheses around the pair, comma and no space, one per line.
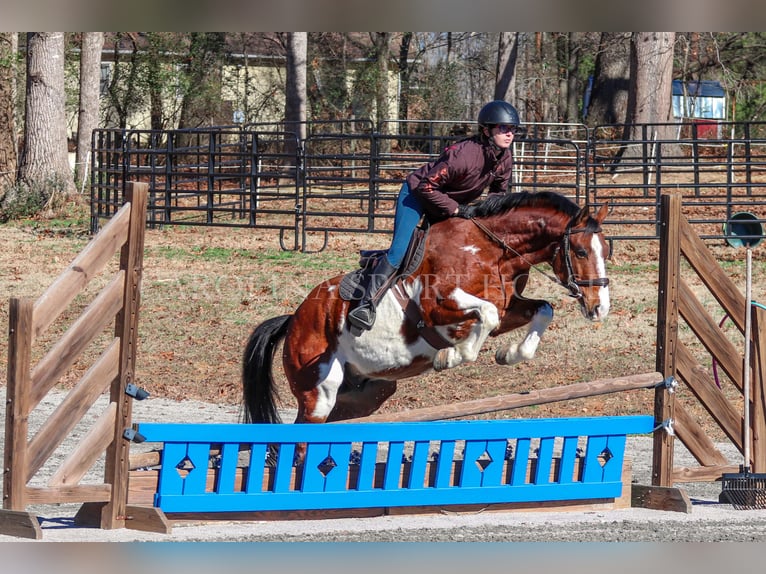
(367,461)
(613,467)
(544,461)
(170,480)
(444,464)
(367,432)
(568,459)
(520,462)
(328,489)
(377,499)
(493,474)
(313,478)
(393,472)
(470,471)
(337,479)
(227,471)
(199,455)
(419,466)
(592,469)
(256,468)
(284,469)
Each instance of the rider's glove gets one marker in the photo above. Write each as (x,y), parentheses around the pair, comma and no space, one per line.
(464,211)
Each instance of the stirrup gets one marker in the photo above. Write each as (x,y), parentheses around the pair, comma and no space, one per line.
(360,324)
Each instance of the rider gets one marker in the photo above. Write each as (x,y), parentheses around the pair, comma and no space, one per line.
(443,188)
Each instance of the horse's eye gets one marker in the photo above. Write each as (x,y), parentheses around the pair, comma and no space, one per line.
(581,253)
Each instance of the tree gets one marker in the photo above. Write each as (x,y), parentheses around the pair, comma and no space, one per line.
(611,78)
(295,90)
(8,140)
(44,167)
(507,54)
(90,87)
(202,90)
(651,82)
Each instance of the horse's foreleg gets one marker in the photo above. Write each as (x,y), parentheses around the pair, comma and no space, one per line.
(525,350)
(468,347)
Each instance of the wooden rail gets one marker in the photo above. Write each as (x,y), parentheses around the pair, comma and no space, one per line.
(515,401)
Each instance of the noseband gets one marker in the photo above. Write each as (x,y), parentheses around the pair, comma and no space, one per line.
(572,283)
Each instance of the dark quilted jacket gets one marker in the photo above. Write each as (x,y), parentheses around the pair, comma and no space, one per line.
(459,176)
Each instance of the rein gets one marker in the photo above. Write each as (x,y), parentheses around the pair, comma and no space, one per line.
(572,284)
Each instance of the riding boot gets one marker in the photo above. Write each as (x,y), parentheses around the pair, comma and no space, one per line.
(363,316)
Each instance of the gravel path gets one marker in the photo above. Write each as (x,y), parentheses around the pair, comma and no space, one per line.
(709,520)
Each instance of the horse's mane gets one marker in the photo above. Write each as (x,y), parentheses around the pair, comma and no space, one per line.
(498,203)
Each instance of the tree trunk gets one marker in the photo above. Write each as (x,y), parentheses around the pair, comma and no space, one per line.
(90,84)
(8,140)
(507,54)
(650,94)
(651,75)
(44,165)
(611,79)
(404,76)
(295,91)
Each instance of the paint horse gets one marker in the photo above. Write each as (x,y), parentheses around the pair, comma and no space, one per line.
(467,288)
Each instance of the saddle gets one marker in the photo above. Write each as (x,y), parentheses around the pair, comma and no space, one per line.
(352,285)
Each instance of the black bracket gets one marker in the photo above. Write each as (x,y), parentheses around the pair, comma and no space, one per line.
(136,392)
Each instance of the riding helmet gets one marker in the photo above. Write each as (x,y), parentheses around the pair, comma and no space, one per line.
(498,112)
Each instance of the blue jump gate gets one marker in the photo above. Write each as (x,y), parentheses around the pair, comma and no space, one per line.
(246,468)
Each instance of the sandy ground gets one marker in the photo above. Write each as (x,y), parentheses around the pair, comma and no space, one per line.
(709,520)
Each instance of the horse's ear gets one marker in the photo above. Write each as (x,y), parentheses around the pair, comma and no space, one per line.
(601,215)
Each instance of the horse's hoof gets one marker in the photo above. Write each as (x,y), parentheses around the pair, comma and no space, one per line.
(442,359)
(508,356)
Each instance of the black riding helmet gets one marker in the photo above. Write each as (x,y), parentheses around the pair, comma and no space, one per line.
(498,112)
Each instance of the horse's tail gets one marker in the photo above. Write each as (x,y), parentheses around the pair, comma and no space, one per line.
(258,389)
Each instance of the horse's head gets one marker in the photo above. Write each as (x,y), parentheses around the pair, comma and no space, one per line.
(580,263)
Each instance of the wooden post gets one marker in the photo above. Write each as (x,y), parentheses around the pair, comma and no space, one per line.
(667,334)
(16,520)
(758,413)
(126,329)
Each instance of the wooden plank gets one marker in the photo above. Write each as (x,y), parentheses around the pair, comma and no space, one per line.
(660,498)
(667,333)
(67,494)
(514,401)
(758,395)
(702,473)
(87,451)
(708,333)
(712,275)
(710,396)
(126,329)
(691,434)
(80,334)
(88,263)
(71,410)
(15,457)
(147,519)
(20,524)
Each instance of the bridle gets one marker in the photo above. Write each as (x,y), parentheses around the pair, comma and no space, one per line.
(572,283)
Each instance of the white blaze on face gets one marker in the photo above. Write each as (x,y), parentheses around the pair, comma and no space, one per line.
(603,292)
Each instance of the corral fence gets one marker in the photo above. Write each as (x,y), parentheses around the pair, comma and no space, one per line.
(344,176)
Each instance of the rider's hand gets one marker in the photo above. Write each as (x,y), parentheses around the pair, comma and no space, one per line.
(464,211)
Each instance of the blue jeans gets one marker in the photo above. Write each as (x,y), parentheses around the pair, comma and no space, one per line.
(408,214)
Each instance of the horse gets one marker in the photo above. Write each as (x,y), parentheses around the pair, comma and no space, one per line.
(468,287)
